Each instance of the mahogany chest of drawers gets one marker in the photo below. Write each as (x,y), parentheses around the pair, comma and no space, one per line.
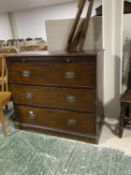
(59,94)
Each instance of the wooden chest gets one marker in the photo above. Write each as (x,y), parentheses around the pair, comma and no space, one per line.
(60,94)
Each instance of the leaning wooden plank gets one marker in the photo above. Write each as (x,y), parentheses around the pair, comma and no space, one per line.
(84,30)
(74,43)
(81,5)
(77,38)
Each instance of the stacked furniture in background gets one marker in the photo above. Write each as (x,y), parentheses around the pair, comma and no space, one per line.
(37,44)
(18,45)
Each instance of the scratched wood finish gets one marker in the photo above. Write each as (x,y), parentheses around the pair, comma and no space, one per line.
(60,94)
(47,74)
(59,119)
(66,98)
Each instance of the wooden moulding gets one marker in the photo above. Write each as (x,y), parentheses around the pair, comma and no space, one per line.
(59,133)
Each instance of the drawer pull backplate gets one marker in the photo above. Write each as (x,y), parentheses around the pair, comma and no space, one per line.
(31,115)
(72,122)
(26,73)
(71,99)
(70,75)
(28,95)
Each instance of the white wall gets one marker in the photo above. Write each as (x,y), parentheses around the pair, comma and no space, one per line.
(113,30)
(5,32)
(31,23)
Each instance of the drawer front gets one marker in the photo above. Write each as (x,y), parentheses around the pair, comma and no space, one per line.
(68,74)
(59,119)
(65,98)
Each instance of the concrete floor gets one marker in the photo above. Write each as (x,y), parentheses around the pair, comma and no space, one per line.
(110,139)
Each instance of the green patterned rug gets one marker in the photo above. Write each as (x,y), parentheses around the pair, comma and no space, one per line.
(26,153)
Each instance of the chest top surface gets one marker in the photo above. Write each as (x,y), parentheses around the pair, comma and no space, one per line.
(51,57)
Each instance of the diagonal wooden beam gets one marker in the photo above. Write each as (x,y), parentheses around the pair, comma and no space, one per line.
(81,4)
(79,39)
(84,30)
(74,43)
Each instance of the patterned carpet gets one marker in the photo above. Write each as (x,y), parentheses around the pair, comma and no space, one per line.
(26,153)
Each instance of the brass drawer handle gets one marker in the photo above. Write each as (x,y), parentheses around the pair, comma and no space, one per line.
(31,115)
(70,75)
(71,99)
(26,73)
(71,122)
(28,95)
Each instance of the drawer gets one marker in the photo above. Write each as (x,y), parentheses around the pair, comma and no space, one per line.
(57,119)
(67,74)
(63,98)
